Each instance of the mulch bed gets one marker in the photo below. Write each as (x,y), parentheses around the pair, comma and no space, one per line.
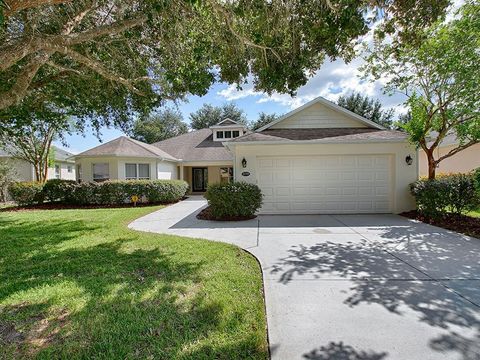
(206,214)
(460,223)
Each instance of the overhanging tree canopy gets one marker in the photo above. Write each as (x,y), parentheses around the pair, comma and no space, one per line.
(108,59)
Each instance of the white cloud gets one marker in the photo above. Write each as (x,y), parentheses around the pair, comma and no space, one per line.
(331,81)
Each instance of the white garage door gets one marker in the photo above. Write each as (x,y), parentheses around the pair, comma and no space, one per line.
(329,184)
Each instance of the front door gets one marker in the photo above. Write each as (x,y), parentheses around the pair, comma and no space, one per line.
(199,179)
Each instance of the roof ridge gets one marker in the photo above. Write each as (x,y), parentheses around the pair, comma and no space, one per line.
(147,147)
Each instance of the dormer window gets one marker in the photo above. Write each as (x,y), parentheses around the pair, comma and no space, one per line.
(227,130)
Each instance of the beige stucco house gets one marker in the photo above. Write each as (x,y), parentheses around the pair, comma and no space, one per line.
(462,162)
(62,168)
(319,158)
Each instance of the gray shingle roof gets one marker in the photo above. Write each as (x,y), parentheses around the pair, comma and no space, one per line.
(333,135)
(126,147)
(196,145)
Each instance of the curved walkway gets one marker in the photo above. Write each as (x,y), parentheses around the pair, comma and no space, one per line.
(366,287)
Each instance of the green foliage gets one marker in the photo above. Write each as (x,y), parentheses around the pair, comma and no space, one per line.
(59,190)
(441,79)
(159,126)
(209,115)
(367,107)
(452,193)
(26,193)
(119,192)
(263,119)
(234,199)
(95,62)
(115,192)
(476,177)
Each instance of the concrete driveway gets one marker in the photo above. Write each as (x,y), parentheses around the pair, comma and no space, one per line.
(354,287)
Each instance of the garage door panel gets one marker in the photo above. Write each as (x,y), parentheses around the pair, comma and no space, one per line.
(326,184)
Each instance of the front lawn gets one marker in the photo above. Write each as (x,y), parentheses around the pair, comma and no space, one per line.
(79,284)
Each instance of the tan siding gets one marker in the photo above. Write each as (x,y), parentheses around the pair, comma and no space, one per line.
(318,116)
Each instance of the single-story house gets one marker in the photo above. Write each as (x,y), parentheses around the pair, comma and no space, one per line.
(62,168)
(462,162)
(319,158)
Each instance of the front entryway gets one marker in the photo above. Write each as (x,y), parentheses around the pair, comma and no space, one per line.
(199,179)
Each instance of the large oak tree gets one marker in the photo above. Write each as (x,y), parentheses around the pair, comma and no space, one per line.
(107,60)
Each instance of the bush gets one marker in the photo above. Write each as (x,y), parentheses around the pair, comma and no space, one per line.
(476,179)
(452,193)
(236,199)
(119,192)
(105,193)
(26,193)
(59,190)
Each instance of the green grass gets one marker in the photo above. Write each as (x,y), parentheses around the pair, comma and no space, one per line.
(79,284)
(475,213)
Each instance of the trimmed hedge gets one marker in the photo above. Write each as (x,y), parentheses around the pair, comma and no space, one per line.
(58,190)
(452,193)
(236,199)
(26,193)
(115,192)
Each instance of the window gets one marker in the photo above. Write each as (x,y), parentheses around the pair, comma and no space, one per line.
(226,175)
(236,133)
(137,171)
(69,168)
(144,171)
(100,172)
(57,171)
(219,134)
(228,134)
(131,171)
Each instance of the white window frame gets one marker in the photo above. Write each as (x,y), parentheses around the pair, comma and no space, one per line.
(57,171)
(137,172)
(218,133)
(233,133)
(102,178)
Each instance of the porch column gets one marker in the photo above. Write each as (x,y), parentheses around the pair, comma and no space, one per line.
(181,172)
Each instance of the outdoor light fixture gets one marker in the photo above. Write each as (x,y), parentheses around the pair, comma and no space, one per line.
(244,163)
(409,160)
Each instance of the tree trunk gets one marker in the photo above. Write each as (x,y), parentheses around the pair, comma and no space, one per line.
(432,165)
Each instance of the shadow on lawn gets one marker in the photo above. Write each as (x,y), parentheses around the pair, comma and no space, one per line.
(119,304)
(376,277)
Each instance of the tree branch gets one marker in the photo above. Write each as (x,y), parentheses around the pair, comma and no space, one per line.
(99,68)
(457,149)
(13,6)
(18,91)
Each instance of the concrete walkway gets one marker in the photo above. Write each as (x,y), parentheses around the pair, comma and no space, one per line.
(355,287)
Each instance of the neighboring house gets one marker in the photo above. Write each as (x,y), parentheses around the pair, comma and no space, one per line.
(62,168)
(319,158)
(462,162)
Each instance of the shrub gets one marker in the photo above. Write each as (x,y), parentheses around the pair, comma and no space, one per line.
(234,199)
(119,192)
(26,193)
(476,179)
(59,190)
(452,193)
